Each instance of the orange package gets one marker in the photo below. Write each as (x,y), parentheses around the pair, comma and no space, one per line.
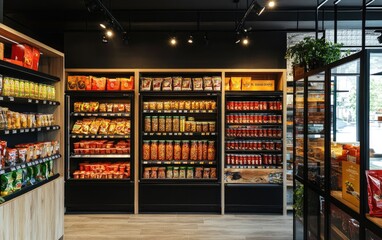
(113,84)
(81,83)
(127,83)
(99,84)
(88,83)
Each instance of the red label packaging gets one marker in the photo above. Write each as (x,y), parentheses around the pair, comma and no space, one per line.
(113,84)
(28,55)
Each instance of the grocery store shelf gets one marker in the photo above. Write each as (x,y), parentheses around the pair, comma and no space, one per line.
(83,114)
(254,111)
(28,101)
(29,130)
(102,156)
(339,233)
(253,138)
(178,180)
(338,196)
(254,94)
(80,136)
(179,111)
(180,134)
(156,162)
(254,167)
(376,220)
(179,93)
(29,164)
(100,179)
(9,69)
(253,151)
(256,124)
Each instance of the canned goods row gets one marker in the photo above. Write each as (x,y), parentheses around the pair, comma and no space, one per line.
(254,132)
(254,105)
(254,145)
(253,118)
(253,159)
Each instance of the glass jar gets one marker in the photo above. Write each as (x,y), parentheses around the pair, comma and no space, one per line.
(175,124)
(154,150)
(152,105)
(154,124)
(211,151)
(146,173)
(200,150)
(181,105)
(169,150)
(205,150)
(187,127)
(187,105)
(162,172)
(202,105)
(185,150)
(168,124)
(159,105)
(175,105)
(177,150)
(198,126)
(147,124)
(212,126)
(190,172)
(162,124)
(167,106)
(146,150)
(182,123)
(146,106)
(194,150)
(161,150)
(205,127)
(169,172)
(213,105)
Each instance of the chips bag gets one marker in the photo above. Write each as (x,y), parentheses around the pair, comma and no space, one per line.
(374,189)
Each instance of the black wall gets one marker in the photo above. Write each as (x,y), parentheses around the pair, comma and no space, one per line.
(151,50)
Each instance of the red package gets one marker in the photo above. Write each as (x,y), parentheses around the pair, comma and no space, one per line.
(36,58)
(127,83)
(98,84)
(374,189)
(113,84)
(16,62)
(24,53)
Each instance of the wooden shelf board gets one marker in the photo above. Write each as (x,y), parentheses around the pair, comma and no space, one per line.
(338,195)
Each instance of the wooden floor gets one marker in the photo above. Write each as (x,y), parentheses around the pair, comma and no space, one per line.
(178,227)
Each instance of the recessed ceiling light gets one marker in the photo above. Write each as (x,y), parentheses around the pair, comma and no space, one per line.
(173,41)
(271,4)
(102,25)
(245,41)
(109,33)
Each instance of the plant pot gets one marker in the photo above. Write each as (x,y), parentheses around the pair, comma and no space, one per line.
(298,72)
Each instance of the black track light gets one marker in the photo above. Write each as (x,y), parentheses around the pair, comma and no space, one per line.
(258,8)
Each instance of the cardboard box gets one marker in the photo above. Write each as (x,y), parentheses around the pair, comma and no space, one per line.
(262,85)
(350,182)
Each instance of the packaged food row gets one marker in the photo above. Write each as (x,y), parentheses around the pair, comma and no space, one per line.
(91,83)
(101,147)
(180,105)
(103,170)
(15,120)
(177,124)
(101,107)
(253,132)
(254,105)
(254,145)
(26,152)
(14,181)
(181,84)
(118,126)
(14,87)
(253,159)
(179,173)
(178,150)
(248,84)
(253,118)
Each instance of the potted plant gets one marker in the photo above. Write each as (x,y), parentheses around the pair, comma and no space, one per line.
(311,53)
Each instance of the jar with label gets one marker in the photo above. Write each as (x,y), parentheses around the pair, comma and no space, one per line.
(211,151)
(168,124)
(182,172)
(205,127)
(159,105)
(194,150)
(169,150)
(187,126)
(190,172)
(146,150)
(154,150)
(162,124)
(177,150)
(169,172)
(182,123)
(161,150)
(175,172)
(212,126)
(175,105)
(187,105)
(175,124)
(147,124)
(153,106)
(154,172)
(200,150)
(185,150)
(198,126)
(213,105)
(154,124)
(167,106)
(202,105)
(205,150)
(208,105)
(146,173)
(181,105)
(146,106)
(161,172)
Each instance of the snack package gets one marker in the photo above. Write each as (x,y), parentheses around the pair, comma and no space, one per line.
(104,126)
(186,84)
(127,83)
(93,106)
(17,179)
(44,170)
(37,175)
(246,83)
(102,107)
(235,84)
(81,83)
(374,190)
(217,83)
(146,84)
(88,83)
(98,84)
(85,107)
(207,83)
(177,83)
(77,106)
(77,127)
(157,84)
(30,176)
(197,84)
(24,53)
(6,181)
(113,84)
(36,58)
(72,82)
(167,84)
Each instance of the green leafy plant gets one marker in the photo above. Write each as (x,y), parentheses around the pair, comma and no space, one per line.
(312,53)
(299,200)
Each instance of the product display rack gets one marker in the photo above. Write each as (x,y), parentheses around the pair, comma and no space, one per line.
(100,193)
(324,168)
(181,194)
(245,177)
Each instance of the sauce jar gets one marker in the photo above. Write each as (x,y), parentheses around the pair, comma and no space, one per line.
(161,150)
(177,150)
(162,124)
(154,124)
(154,150)
(146,150)
(194,150)
(211,151)
(185,150)
(169,150)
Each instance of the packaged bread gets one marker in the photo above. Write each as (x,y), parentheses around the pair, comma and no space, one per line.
(207,83)
(81,83)
(146,84)
(217,83)
(157,84)
(177,83)
(246,84)
(113,84)
(127,83)
(186,84)
(197,84)
(72,82)
(167,84)
(98,83)
(236,84)
(227,83)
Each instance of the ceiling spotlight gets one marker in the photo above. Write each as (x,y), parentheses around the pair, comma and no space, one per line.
(109,33)
(271,4)
(102,25)
(173,41)
(245,41)
(104,39)
(258,8)
(190,40)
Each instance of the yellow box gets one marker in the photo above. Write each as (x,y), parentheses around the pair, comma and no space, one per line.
(262,85)
(246,83)
(350,182)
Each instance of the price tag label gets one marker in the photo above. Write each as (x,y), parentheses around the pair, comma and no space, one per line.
(158,162)
(6,132)
(190,163)
(39,129)
(191,134)
(159,134)
(180,111)
(33,129)
(119,114)
(37,101)
(203,111)
(54,103)
(111,136)
(11,99)
(40,161)
(29,164)
(174,111)
(144,111)
(176,162)
(175,134)
(203,134)
(29,100)
(50,102)
(88,114)
(170,134)
(1,98)
(145,162)
(164,134)
(191,111)
(151,111)
(92,136)
(21,130)
(159,111)
(186,134)
(18,167)
(185,111)
(151,134)
(99,136)
(27,130)
(210,111)
(14,131)
(44,102)
(210,163)
(82,114)
(80,136)
(167,162)
(48,128)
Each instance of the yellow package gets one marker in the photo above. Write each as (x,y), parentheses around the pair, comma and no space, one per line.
(6,86)
(44,92)
(227,82)
(40,91)
(17,87)
(26,89)
(22,88)
(36,90)
(246,83)
(11,87)
(236,84)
